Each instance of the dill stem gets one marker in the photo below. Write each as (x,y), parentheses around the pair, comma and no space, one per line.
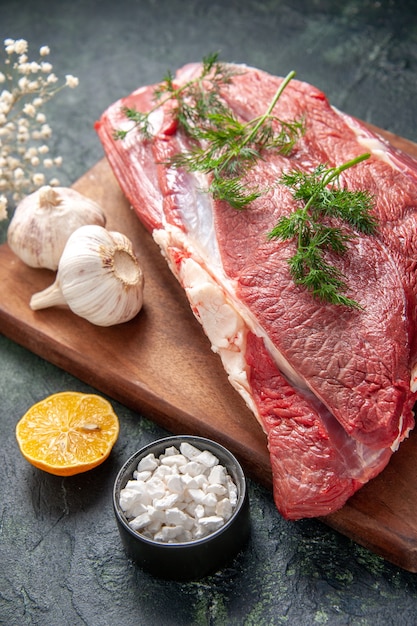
(262,118)
(268,112)
(174,94)
(333,173)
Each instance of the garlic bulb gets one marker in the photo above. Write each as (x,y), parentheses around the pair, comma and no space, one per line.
(99,278)
(44,220)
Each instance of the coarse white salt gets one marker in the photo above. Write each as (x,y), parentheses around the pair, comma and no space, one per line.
(192,468)
(206,458)
(180,496)
(210,500)
(163,471)
(165,503)
(140,521)
(197,495)
(176,517)
(170,451)
(209,525)
(148,463)
(142,475)
(131,505)
(199,511)
(219,490)
(224,508)
(169,533)
(201,481)
(175,484)
(188,450)
(189,482)
(217,475)
(173,459)
(232,490)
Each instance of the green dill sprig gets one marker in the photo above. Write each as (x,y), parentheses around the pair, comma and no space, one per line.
(320,196)
(194,100)
(199,98)
(228,148)
(221,145)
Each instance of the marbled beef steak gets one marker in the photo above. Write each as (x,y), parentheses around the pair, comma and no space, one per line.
(331,386)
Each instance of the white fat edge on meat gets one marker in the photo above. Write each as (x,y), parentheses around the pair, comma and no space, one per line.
(401,435)
(413,383)
(366,138)
(205,268)
(155,121)
(118,120)
(211,296)
(197,216)
(222,324)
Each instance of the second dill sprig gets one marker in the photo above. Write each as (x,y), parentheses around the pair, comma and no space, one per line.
(319,196)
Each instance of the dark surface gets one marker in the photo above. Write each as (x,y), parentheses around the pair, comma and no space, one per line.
(62,562)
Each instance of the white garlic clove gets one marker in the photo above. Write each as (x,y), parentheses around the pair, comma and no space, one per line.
(99,277)
(43,221)
(51,296)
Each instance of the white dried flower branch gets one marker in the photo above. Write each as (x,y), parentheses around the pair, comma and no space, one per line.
(25,86)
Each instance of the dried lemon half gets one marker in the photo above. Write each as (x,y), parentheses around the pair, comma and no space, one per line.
(68,433)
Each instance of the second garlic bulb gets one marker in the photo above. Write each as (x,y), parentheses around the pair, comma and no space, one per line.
(99,278)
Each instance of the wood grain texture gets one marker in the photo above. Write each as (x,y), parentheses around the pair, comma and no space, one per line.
(160,365)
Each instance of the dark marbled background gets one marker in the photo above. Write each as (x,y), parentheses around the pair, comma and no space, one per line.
(61,560)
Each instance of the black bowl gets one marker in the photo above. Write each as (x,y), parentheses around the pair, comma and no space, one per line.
(194,559)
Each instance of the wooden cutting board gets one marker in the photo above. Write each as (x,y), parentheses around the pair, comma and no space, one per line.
(160,365)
